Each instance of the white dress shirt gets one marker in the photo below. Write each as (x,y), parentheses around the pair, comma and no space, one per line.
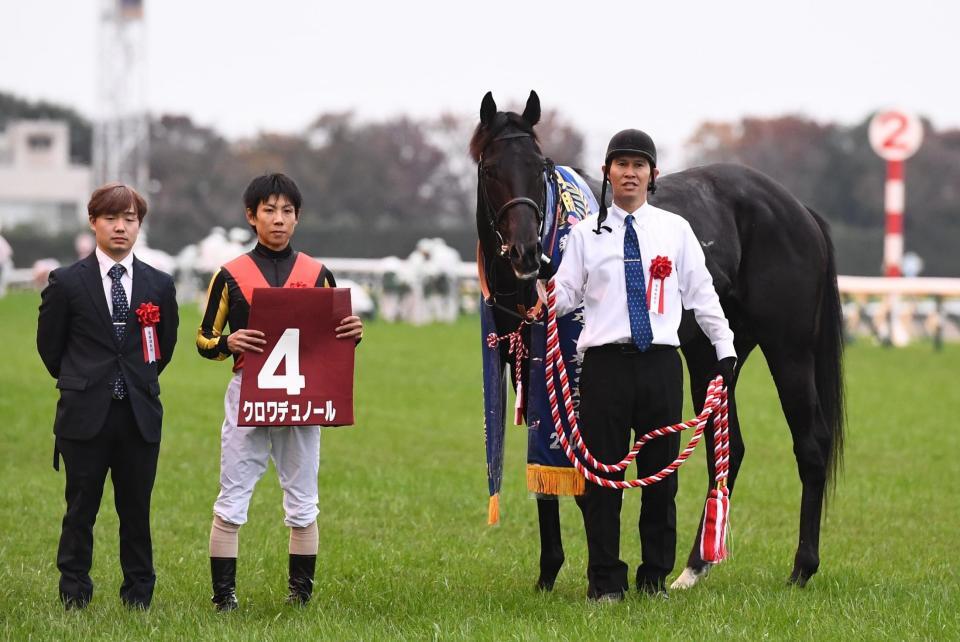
(592,272)
(126,280)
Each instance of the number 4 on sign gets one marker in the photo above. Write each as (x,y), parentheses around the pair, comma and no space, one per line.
(288,347)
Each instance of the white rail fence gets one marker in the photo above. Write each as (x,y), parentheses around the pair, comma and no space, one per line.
(892,311)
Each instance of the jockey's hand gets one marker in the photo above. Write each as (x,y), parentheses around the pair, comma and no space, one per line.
(350,327)
(547,269)
(244,340)
(542,290)
(726,368)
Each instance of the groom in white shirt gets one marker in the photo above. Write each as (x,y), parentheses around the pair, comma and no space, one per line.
(634,269)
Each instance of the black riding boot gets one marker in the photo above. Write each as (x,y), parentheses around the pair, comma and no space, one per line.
(223,572)
(301,578)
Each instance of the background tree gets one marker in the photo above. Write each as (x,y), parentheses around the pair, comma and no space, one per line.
(197,183)
(832,168)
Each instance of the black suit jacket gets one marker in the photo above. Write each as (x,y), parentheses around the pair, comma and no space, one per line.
(76,341)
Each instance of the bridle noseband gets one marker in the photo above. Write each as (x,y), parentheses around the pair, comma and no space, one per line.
(495,218)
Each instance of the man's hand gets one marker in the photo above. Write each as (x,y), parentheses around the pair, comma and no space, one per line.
(240,341)
(726,368)
(350,327)
(547,269)
(542,290)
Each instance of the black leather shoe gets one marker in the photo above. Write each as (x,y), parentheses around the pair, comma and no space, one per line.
(301,579)
(596,595)
(71,602)
(607,598)
(223,573)
(134,605)
(653,588)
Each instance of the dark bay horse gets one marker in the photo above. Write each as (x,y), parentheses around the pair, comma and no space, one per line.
(773,267)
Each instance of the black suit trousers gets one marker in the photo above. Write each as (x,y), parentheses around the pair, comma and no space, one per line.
(120,448)
(623,393)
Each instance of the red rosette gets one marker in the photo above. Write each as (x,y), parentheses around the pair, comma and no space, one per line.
(661,267)
(148,314)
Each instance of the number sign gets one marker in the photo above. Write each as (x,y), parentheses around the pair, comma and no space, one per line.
(304,376)
(895,134)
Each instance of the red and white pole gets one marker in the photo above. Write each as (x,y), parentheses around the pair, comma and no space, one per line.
(895,134)
(894,197)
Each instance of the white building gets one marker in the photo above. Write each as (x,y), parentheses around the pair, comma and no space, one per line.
(38,184)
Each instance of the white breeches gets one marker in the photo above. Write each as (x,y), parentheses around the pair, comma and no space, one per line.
(244,453)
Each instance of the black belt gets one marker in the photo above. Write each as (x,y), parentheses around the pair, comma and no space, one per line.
(629,348)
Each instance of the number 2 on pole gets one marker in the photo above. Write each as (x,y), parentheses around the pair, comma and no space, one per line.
(893,140)
(287,347)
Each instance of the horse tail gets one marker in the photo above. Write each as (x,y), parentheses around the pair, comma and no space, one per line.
(829,358)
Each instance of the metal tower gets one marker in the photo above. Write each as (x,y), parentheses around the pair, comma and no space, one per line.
(122,129)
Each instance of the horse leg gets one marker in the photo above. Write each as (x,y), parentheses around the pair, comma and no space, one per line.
(551,544)
(793,374)
(701,360)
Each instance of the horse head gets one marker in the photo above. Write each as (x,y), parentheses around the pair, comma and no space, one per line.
(511,193)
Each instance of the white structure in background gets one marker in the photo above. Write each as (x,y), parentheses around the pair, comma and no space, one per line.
(440,285)
(396,284)
(157,258)
(121,134)
(6,264)
(424,288)
(38,184)
(195,264)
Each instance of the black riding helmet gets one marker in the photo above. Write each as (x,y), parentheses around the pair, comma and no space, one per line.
(626,142)
(631,141)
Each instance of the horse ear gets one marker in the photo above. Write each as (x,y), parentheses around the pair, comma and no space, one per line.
(488,109)
(531,113)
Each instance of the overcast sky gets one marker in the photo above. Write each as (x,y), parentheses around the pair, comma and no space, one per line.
(245,65)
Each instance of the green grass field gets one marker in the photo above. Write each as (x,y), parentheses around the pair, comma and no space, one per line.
(404,549)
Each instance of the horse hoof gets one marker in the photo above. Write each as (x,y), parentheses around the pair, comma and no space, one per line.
(544,585)
(689,577)
(799,578)
(549,569)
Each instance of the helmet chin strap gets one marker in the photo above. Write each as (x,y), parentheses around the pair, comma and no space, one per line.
(602,216)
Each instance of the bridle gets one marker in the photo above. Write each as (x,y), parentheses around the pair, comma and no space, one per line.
(494,218)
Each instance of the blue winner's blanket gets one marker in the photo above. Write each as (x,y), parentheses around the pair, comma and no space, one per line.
(570,200)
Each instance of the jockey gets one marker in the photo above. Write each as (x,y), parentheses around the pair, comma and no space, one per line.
(272,208)
(634,269)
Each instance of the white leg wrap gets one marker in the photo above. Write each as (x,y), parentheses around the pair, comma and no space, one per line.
(689,577)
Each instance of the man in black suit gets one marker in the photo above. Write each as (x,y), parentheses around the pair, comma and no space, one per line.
(100,336)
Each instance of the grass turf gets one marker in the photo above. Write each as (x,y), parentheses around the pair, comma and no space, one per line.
(404,550)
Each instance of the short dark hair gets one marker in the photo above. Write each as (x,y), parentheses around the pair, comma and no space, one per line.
(116,198)
(263,187)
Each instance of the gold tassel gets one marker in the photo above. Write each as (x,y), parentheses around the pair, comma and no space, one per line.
(493,510)
(554,480)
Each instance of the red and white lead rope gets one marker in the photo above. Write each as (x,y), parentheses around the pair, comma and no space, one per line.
(519,352)
(716,515)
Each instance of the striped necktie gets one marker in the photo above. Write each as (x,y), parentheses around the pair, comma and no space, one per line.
(640,329)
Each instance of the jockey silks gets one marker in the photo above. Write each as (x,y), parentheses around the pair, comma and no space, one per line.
(228,299)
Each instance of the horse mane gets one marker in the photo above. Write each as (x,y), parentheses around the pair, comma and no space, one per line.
(483,135)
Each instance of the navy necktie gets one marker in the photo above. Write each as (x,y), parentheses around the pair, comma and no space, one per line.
(640,329)
(121,309)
